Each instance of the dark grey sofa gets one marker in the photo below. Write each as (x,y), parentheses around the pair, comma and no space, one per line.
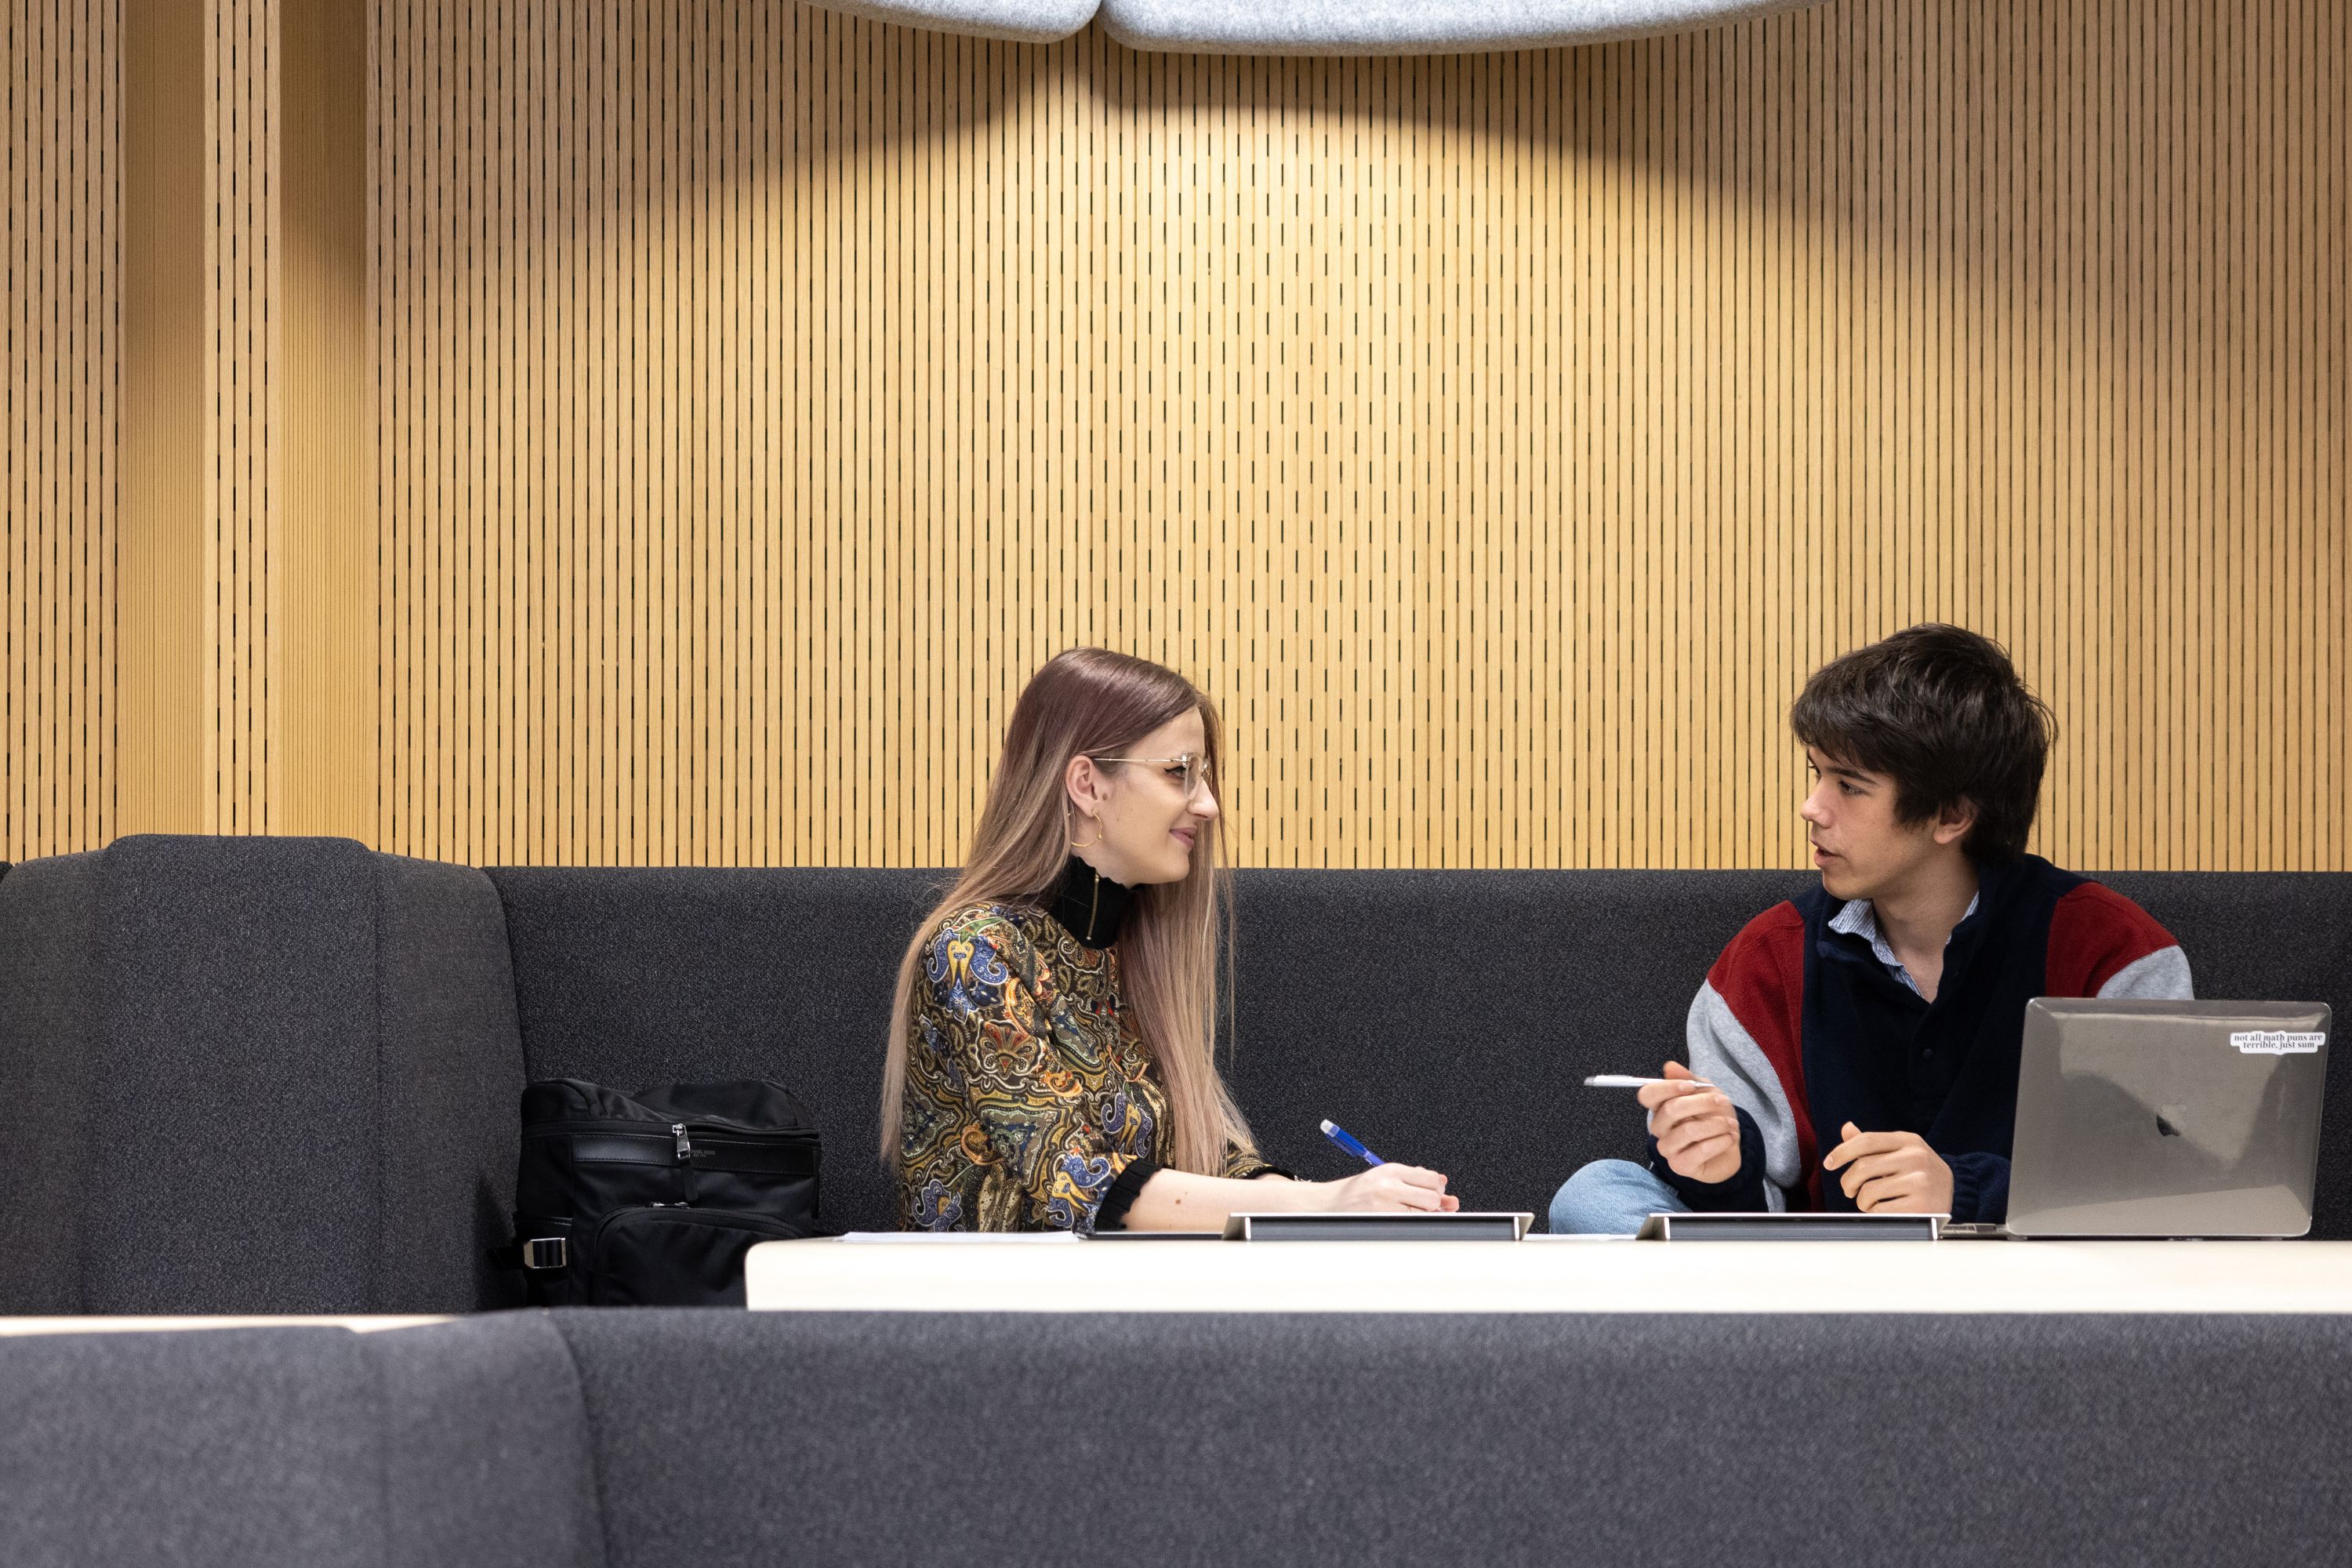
(246,1075)
(648,1439)
(261,1076)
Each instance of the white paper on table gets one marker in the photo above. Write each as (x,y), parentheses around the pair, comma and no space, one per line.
(960,1237)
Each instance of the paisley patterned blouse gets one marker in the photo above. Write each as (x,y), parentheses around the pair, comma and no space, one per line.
(1027,1096)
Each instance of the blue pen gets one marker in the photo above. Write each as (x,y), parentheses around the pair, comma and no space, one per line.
(1333,1131)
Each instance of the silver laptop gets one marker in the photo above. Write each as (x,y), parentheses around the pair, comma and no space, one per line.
(2168,1118)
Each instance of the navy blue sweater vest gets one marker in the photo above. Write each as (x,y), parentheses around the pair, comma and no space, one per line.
(1879,1056)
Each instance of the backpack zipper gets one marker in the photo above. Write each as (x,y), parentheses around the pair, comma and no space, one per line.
(653,1129)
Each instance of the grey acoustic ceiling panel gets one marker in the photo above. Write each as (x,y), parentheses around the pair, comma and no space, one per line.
(1406,27)
(1023,21)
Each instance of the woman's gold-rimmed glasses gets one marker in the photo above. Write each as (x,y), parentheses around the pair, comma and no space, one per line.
(1194,765)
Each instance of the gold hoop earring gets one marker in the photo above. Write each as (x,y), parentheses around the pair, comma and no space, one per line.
(1066,830)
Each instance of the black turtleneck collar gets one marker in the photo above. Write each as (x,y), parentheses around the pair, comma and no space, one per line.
(1089,905)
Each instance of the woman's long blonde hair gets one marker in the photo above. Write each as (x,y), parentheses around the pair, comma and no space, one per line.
(1087,701)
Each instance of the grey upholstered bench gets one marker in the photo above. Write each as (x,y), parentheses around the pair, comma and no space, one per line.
(647,1439)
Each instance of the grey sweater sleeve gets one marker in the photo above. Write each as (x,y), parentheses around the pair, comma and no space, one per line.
(1726,1055)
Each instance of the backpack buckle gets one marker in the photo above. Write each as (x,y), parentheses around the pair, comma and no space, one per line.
(546,1253)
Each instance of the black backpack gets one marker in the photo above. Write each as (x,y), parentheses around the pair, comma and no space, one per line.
(652,1199)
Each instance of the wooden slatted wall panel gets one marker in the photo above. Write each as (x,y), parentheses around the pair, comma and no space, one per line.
(58,390)
(242,569)
(1500,438)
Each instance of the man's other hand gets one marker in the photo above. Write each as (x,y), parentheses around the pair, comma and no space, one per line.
(1891,1172)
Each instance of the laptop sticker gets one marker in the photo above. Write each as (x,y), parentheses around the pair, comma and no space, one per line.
(2276,1042)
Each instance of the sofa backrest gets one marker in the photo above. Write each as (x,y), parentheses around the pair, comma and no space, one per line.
(1446,1017)
(1449,1017)
(254,1075)
(1443,1017)
(281,1075)
(643,976)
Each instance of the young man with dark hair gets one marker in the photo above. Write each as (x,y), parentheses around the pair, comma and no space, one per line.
(1858,1048)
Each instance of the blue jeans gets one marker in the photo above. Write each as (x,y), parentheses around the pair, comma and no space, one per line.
(1611,1198)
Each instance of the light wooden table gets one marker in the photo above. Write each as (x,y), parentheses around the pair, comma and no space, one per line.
(1547,1274)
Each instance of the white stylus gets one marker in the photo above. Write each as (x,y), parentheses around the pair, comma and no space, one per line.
(1619,1080)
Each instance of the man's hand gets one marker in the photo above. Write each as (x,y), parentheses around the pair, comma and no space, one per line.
(1893,1172)
(1696,1129)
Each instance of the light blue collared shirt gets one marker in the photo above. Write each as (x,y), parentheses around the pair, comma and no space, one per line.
(1860,917)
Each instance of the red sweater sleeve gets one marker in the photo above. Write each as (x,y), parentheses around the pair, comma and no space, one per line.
(1761,975)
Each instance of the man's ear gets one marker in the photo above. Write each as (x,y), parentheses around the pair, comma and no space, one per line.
(1956,821)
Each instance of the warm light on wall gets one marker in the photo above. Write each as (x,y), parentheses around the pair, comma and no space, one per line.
(760,394)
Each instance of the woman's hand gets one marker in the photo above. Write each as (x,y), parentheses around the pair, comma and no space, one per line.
(1179,1200)
(1389,1189)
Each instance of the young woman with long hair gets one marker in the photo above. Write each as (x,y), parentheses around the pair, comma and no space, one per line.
(1052,1054)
